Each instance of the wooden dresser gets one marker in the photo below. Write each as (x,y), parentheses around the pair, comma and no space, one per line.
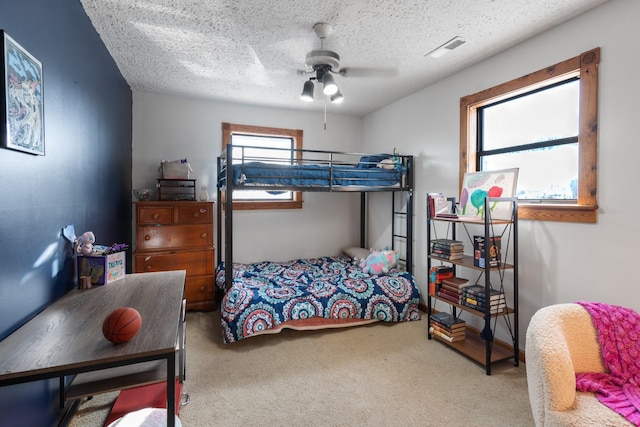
(178,236)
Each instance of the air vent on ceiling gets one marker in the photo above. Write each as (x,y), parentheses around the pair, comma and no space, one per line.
(447,47)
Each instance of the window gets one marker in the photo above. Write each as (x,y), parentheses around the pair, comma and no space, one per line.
(254,138)
(544,123)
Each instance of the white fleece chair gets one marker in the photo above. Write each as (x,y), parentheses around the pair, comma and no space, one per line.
(561,341)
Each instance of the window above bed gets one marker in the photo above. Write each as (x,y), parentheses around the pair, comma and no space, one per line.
(249,140)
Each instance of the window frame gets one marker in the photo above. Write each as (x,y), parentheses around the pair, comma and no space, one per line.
(585,66)
(228,129)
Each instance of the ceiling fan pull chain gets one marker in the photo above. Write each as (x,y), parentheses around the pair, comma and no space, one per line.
(325,112)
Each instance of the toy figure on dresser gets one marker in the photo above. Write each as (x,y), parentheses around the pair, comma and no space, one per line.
(84,243)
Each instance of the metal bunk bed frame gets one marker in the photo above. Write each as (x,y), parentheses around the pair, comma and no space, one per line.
(225,207)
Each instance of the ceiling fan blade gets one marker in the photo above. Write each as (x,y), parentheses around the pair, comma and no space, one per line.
(368,72)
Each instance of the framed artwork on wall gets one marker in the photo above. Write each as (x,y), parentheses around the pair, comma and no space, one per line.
(476,186)
(22,112)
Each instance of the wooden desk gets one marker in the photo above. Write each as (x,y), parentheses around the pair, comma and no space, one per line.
(66,338)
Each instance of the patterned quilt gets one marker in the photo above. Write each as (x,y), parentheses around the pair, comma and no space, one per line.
(269,295)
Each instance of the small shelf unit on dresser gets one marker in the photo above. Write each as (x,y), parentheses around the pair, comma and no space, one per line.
(481,347)
(178,235)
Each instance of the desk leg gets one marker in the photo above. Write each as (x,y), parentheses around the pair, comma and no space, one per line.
(171,389)
(63,396)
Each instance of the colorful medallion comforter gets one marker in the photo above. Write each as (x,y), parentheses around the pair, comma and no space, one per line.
(310,294)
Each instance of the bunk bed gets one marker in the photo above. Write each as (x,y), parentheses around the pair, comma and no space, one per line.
(324,292)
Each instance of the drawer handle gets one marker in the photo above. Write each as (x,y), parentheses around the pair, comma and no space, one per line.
(148,267)
(203,235)
(147,237)
(155,215)
(203,210)
(201,288)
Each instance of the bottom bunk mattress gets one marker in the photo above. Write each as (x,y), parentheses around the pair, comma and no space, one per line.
(312,293)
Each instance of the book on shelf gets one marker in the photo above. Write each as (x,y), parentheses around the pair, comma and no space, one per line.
(438,204)
(457,333)
(448,248)
(445,337)
(451,292)
(446,254)
(480,254)
(457,327)
(447,320)
(462,218)
(480,291)
(439,273)
(448,242)
(446,257)
(456,282)
(446,251)
(468,299)
(447,215)
(480,303)
(451,298)
(492,310)
(436,274)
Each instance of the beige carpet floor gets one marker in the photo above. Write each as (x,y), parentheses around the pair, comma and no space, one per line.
(374,375)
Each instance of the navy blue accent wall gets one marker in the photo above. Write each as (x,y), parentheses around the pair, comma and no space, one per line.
(84,178)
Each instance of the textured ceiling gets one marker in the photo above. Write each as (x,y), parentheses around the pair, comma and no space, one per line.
(248,51)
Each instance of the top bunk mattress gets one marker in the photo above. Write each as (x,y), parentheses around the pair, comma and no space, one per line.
(259,173)
(314,169)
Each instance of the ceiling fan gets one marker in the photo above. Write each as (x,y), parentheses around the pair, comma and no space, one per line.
(322,62)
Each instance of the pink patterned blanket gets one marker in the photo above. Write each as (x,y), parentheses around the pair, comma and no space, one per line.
(619,337)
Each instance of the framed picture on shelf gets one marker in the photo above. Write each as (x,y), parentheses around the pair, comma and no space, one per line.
(476,186)
(22,121)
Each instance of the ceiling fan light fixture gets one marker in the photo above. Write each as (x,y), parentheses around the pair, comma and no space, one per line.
(307,91)
(337,98)
(446,48)
(329,86)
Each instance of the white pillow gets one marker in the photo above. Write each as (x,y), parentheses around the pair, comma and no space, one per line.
(387,164)
(356,253)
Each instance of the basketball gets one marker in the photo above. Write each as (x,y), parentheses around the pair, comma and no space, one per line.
(121,325)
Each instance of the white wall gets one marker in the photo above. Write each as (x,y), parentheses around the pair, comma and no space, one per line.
(559,262)
(169,128)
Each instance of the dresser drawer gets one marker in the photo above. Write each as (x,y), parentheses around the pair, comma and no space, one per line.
(196,263)
(154,215)
(199,290)
(178,235)
(195,213)
(174,236)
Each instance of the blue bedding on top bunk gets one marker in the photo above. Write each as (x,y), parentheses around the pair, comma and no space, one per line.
(314,175)
(265,295)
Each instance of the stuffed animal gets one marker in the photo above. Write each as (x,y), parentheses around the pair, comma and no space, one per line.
(379,262)
(84,243)
(394,162)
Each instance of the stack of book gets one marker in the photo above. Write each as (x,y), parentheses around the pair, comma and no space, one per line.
(475,297)
(445,326)
(437,275)
(447,249)
(451,289)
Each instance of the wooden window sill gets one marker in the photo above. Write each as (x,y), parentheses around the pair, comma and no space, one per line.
(558,212)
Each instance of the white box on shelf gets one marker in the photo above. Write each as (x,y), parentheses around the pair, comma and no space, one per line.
(176,170)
